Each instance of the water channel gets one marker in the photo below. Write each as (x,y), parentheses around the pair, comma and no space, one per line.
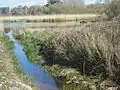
(39,76)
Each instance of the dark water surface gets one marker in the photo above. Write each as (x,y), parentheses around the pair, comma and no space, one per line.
(42,79)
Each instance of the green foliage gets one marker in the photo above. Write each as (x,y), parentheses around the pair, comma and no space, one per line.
(8,47)
(69,9)
(45,10)
(24,10)
(57,8)
(35,47)
(112,9)
(98,8)
(19,10)
(8,44)
(1,34)
(35,10)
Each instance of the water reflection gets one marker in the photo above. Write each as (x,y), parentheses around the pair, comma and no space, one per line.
(6,27)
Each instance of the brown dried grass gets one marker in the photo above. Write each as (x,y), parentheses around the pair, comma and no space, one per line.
(94,49)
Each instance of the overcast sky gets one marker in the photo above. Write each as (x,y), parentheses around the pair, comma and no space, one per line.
(11,3)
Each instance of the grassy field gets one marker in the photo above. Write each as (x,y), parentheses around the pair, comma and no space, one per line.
(48,18)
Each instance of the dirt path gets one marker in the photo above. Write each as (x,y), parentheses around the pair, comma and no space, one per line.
(9,79)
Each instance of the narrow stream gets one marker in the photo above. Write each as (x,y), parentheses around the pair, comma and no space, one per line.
(42,79)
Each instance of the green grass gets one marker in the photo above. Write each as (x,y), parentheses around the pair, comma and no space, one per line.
(9,45)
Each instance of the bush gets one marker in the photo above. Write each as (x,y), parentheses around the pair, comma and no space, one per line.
(113,9)
(69,9)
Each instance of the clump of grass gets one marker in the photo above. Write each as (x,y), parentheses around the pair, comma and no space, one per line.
(95,50)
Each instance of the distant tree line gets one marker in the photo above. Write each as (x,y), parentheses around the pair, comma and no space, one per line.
(25,10)
(113,9)
(56,7)
(4,11)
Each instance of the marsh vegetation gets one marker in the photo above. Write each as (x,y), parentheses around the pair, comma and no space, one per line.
(74,56)
(79,55)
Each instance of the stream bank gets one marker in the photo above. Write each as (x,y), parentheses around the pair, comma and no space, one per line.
(11,76)
(39,77)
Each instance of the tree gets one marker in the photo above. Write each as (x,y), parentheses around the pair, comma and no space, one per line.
(35,10)
(54,1)
(26,10)
(17,10)
(45,10)
(113,9)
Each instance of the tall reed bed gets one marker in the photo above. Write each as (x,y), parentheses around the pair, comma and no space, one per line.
(95,49)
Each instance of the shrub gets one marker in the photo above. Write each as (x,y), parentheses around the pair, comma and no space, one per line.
(112,9)
(69,9)
(95,49)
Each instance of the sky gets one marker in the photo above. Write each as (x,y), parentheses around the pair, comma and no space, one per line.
(12,3)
